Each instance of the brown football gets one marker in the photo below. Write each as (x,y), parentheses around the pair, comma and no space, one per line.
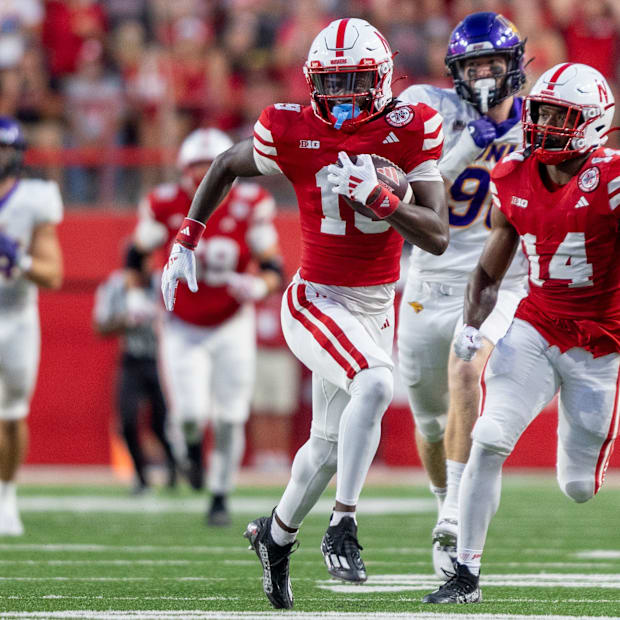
(391,177)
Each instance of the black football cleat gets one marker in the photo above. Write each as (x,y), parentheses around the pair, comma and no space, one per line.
(218,515)
(462,587)
(341,552)
(275,561)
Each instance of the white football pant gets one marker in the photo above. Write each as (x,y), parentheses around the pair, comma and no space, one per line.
(430,316)
(20,347)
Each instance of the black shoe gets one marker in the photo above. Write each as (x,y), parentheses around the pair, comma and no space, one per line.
(462,587)
(275,562)
(342,551)
(218,515)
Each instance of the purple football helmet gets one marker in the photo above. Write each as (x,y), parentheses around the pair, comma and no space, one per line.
(12,147)
(483,34)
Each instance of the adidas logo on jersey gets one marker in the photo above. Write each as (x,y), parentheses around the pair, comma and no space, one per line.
(185,231)
(390,138)
(582,202)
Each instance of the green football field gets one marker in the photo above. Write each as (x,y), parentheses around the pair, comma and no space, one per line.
(94,552)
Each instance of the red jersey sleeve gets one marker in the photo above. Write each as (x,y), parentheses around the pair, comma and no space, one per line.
(265,132)
(425,135)
(613,183)
(501,177)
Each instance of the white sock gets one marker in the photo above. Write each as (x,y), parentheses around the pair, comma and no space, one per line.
(338,515)
(450,508)
(280,535)
(440,496)
(470,558)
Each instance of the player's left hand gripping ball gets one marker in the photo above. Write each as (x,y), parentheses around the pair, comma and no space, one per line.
(358,182)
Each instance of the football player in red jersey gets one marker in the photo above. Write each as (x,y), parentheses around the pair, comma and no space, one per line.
(337,314)
(559,197)
(208,344)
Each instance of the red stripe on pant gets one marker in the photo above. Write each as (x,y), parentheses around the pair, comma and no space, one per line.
(318,335)
(608,447)
(332,326)
(483,388)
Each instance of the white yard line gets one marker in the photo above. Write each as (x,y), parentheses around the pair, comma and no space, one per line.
(238,505)
(250,615)
(600,554)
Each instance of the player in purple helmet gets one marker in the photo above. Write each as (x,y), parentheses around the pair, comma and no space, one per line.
(481,123)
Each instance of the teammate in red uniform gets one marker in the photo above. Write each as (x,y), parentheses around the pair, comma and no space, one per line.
(208,345)
(559,196)
(337,314)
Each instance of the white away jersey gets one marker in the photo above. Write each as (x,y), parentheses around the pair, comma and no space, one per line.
(30,203)
(469,197)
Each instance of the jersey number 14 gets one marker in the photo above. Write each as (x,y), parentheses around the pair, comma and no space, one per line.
(569,261)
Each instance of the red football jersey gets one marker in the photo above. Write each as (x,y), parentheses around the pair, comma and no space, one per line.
(570,236)
(340,246)
(241,226)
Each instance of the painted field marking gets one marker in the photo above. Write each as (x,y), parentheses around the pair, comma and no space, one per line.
(401,583)
(250,615)
(238,505)
(602,554)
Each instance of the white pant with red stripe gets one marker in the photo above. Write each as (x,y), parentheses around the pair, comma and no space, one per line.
(335,344)
(521,377)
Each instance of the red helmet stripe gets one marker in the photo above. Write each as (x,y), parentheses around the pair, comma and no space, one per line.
(556,75)
(342,26)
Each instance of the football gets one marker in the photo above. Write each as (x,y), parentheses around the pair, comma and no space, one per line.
(389,176)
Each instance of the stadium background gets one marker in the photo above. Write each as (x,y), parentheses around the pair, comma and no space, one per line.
(107,90)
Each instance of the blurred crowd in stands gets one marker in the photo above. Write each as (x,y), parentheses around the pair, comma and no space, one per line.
(90,76)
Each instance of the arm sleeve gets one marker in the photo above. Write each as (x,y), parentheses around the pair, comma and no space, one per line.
(265,151)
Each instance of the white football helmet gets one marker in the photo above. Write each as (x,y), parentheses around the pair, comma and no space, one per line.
(589,104)
(202,145)
(349,72)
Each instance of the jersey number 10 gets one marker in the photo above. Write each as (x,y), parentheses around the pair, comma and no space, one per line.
(332,222)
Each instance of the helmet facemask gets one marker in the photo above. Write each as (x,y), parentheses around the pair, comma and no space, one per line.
(11,160)
(486,93)
(346,94)
(553,143)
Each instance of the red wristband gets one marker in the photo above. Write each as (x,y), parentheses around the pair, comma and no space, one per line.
(190,232)
(385,204)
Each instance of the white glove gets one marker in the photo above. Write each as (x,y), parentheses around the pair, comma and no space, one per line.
(246,287)
(181,266)
(140,308)
(356,180)
(467,343)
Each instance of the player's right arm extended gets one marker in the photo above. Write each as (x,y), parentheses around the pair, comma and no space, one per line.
(237,161)
(487,276)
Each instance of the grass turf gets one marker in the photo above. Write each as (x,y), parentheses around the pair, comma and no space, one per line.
(135,557)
